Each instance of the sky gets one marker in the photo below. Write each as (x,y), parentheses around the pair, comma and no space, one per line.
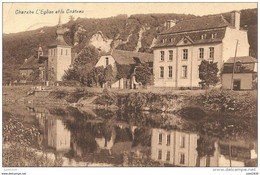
(14,21)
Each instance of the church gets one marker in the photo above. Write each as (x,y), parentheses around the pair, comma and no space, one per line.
(52,66)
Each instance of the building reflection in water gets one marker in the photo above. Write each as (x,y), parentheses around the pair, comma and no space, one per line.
(173,147)
(55,134)
(170,147)
(181,149)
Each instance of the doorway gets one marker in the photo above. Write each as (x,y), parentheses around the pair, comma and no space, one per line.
(236,85)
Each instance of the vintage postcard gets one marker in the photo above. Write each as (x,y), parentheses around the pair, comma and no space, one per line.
(130,85)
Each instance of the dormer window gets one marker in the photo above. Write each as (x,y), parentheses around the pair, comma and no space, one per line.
(213,35)
(172,40)
(203,36)
(163,40)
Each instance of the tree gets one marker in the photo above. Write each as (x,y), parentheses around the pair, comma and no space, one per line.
(208,73)
(109,75)
(143,74)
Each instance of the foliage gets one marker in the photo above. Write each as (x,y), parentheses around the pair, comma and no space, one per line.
(107,98)
(123,71)
(208,73)
(143,74)
(96,77)
(109,74)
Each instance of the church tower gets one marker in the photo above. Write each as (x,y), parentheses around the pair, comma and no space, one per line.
(59,56)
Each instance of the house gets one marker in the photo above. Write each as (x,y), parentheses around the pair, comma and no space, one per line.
(33,63)
(123,59)
(244,75)
(180,49)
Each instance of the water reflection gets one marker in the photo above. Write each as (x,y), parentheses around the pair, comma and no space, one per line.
(85,138)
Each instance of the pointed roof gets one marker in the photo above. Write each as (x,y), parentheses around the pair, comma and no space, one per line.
(60,32)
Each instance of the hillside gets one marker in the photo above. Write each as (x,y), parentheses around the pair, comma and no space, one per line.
(134,33)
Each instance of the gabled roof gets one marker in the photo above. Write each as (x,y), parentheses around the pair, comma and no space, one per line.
(31,63)
(128,57)
(244,59)
(199,23)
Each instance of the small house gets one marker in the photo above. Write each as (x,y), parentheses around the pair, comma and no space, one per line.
(123,63)
(243,76)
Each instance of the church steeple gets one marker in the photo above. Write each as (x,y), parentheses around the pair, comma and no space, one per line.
(60,32)
(40,51)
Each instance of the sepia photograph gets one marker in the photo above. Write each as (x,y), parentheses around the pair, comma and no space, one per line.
(140,84)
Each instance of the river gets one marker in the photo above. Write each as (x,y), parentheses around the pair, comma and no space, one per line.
(98,137)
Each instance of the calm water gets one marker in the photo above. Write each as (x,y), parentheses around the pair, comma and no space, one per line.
(112,138)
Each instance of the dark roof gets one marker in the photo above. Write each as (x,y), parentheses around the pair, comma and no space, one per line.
(194,37)
(247,65)
(244,59)
(194,29)
(31,63)
(58,42)
(127,57)
(199,23)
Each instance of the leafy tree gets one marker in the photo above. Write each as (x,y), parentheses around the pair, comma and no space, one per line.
(123,71)
(205,147)
(109,75)
(96,77)
(208,73)
(143,74)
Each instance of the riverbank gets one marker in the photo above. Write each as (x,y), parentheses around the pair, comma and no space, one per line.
(157,100)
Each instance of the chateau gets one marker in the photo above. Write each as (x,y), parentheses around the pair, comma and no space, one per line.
(180,49)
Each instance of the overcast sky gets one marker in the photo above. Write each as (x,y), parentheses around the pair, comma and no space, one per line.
(14,21)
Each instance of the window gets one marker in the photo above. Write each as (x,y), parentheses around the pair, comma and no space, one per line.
(170,71)
(168,139)
(213,35)
(159,154)
(51,52)
(161,72)
(168,155)
(61,52)
(172,40)
(66,51)
(201,53)
(182,158)
(211,53)
(163,40)
(203,36)
(107,61)
(184,72)
(182,141)
(160,139)
(238,66)
(170,55)
(185,54)
(54,52)
(162,55)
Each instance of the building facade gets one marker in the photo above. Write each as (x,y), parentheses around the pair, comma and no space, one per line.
(244,75)
(59,56)
(117,58)
(180,49)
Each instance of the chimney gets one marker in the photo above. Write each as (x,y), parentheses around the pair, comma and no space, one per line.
(235,19)
(170,23)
